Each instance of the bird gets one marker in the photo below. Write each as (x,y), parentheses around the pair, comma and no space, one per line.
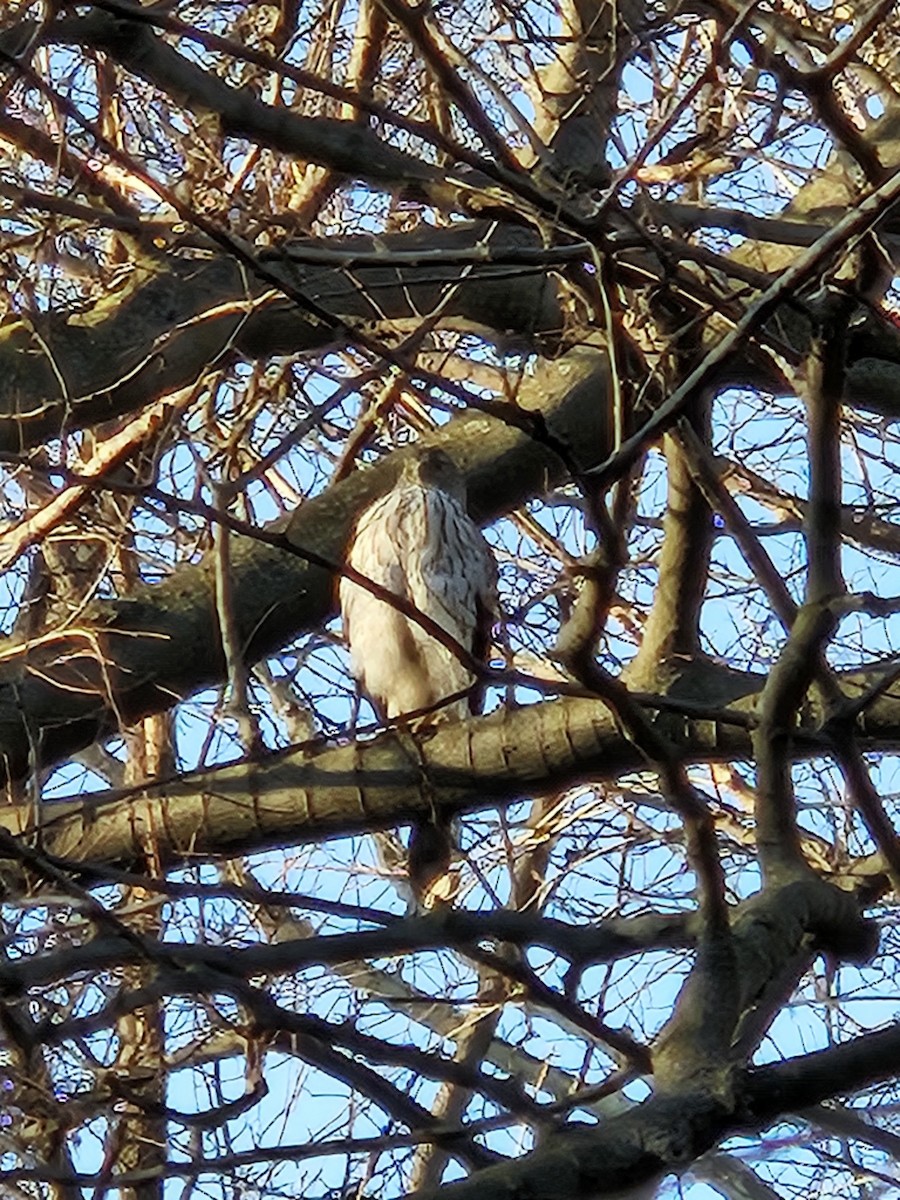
(419,543)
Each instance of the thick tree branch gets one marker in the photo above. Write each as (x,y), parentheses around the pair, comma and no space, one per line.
(186,315)
(309,794)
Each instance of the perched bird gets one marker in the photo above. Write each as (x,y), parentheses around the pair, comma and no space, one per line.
(420,543)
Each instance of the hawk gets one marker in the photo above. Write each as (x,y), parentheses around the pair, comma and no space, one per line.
(419,542)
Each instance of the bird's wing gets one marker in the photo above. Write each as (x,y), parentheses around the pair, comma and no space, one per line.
(454,581)
(375,551)
(440,567)
(421,544)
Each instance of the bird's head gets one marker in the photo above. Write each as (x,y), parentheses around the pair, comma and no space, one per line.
(434,468)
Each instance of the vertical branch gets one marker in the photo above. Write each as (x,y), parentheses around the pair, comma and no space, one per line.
(577,92)
(238,702)
(473,1041)
(365,55)
(801,661)
(823,395)
(673,627)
